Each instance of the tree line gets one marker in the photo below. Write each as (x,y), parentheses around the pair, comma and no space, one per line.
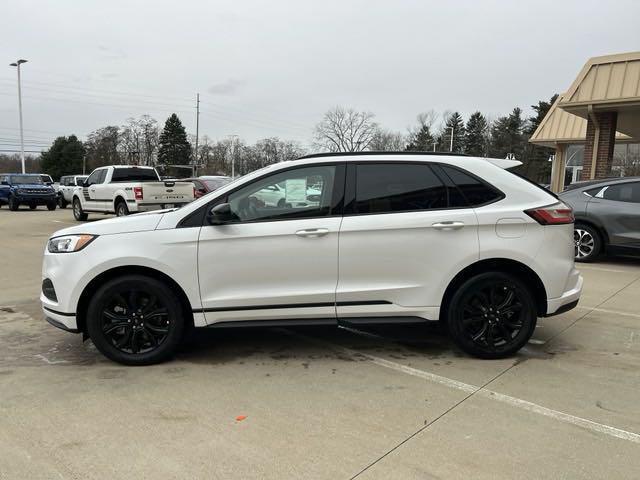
(140,141)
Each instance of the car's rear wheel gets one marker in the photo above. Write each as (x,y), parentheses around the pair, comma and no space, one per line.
(587,243)
(492,315)
(135,320)
(13,204)
(121,209)
(78,214)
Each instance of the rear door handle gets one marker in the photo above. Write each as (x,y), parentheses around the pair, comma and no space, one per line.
(313,232)
(448,225)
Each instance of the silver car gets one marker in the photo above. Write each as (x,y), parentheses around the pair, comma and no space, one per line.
(607,215)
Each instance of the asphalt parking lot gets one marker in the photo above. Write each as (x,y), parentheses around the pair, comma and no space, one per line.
(319,402)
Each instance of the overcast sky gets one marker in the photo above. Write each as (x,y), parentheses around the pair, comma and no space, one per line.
(271,68)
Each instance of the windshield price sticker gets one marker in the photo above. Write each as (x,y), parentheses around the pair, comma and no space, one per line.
(296,190)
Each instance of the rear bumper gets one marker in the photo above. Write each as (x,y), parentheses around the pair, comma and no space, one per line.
(569,299)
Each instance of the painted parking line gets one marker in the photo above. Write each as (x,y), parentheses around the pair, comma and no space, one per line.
(483,392)
(612,270)
(606,310)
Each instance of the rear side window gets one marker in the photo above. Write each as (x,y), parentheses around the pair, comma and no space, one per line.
(623,192)
(134,175)
(397,187)
(472,192)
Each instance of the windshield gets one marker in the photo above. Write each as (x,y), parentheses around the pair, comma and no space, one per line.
(26,179)
(215,183)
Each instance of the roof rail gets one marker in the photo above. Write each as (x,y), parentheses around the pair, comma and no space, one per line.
(349,154)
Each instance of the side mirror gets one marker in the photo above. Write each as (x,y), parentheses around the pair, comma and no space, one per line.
(220,214)
(85,184)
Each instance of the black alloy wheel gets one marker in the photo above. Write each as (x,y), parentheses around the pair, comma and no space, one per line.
(135,320)
(492,315)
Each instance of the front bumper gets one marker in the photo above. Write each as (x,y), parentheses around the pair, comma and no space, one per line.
(36,199)
(569,299)
(64,320)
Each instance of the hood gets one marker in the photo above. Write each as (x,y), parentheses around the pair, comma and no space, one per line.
(140,222)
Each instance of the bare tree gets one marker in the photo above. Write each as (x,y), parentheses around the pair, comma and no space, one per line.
(139,140)
(345,130)
(388,141)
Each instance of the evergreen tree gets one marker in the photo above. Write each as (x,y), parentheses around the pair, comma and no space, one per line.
(536,165)
(507,136)
(456,122)
(475,135)
(63,158)
(422,140)
(174,148)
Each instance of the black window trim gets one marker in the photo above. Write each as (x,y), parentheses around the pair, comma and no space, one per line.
(197,218)
(350,188)
(604,188)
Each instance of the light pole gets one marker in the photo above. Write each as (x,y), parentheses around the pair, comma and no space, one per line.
(233,156)
(17,64)
(451,144)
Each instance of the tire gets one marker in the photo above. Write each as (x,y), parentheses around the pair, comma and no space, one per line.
(117,325)
(78,213)
(492,315)
(51,206)
(32,207)
(13,204)
(121,208)
(587,243)
(62,203)
(281,203)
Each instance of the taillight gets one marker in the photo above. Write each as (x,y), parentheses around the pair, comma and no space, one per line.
(194,192)
(556,214)
(137,191)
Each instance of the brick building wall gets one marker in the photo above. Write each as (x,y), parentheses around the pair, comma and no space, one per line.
(606,142)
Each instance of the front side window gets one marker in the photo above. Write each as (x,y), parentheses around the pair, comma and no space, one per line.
(622,192)
(297,193)
(397,187)
(95,177)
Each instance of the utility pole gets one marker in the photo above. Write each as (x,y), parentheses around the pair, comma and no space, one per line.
(434,146)
(195,160)
(233,156)
(17,64)
(451,145)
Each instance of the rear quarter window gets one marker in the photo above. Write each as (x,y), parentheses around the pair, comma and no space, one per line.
(471,191)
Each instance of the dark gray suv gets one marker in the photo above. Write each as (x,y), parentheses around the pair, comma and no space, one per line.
(607,217)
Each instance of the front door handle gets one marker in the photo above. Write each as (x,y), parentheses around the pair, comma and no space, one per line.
(448,225)
(313,232)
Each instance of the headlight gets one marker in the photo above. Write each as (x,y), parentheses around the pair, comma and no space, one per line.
(20,190)
(69,243)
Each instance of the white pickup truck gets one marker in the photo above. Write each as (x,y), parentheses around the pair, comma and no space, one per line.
(124,189)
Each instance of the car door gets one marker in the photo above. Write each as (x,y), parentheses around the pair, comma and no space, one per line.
(4,189)
(399,242)
(271,262)
(89,189)
(617,208)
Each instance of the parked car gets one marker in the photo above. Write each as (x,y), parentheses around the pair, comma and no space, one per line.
(421,237)
(46,179)
(124,189)
(297,196)
(26,189)
(607,217)
(68,184)
(207,183)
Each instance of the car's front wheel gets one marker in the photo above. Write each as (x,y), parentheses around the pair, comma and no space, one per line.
(135,320)
(51,206)
(587,243)
(13,204)
(492,315)
(78,213)
(62,203)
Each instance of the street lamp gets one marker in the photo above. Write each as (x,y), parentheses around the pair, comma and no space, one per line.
(17,64)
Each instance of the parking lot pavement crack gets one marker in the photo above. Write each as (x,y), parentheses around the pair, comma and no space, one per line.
(429,424)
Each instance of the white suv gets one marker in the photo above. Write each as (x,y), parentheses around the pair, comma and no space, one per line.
(393,238)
